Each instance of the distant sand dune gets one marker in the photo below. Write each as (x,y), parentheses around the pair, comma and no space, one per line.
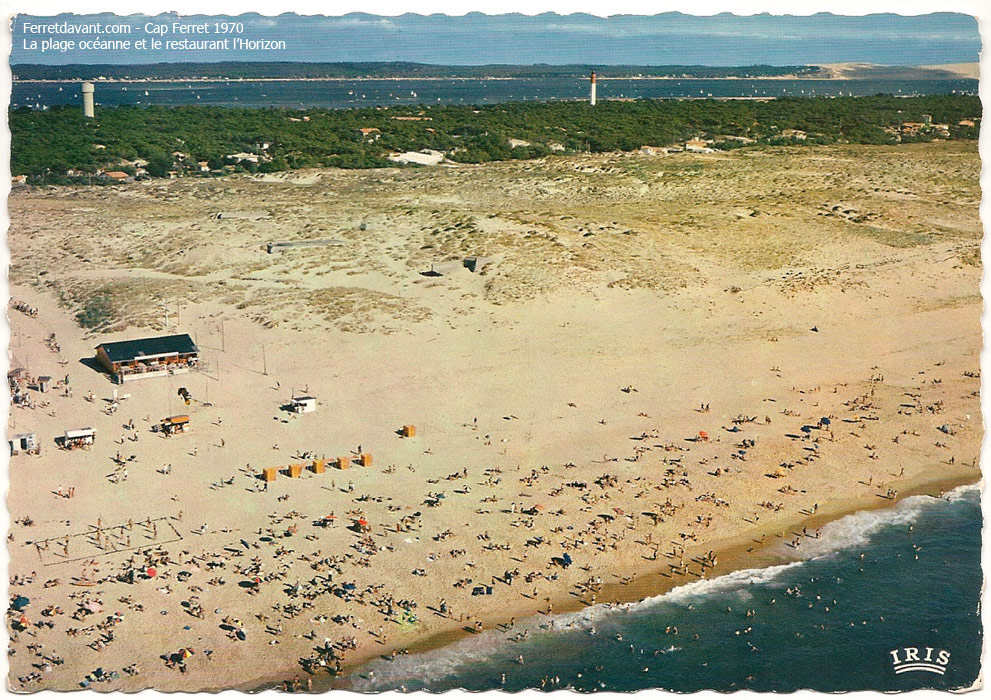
(860,71)
(963,70)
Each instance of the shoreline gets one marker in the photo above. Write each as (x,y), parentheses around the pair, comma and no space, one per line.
(369,79)
(735,554)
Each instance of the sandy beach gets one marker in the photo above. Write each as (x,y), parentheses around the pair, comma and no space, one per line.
(660,367)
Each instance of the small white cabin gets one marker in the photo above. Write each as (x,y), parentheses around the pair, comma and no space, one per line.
(303,404)
(25,442)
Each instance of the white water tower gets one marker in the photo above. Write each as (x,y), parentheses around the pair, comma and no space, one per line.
(88,91)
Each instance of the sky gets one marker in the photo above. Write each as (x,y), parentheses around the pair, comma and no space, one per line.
(476,39)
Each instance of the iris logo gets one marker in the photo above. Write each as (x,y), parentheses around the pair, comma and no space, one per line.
(910,659)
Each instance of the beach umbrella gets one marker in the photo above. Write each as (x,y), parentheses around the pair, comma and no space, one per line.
(825,421)
(94,606)
(704,435)
(539,506)
(20,602)
(363,523)
(151,571)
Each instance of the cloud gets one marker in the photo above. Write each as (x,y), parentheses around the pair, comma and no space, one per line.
(352,22)
(620,32)
(791,31)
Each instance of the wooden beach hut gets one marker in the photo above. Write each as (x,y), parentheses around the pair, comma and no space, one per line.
(148,357)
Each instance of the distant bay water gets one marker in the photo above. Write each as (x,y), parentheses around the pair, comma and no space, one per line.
(350,93)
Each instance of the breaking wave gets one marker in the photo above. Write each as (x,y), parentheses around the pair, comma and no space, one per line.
(855,530)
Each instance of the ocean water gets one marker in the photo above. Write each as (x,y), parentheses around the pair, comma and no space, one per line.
(917,587)
(337,94)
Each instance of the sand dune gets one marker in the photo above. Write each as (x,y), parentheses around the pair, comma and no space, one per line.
(854,71)
(636,374)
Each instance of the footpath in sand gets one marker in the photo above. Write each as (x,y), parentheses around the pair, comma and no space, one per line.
(662,366)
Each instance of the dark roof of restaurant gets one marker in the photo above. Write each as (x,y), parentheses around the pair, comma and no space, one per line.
(144,347)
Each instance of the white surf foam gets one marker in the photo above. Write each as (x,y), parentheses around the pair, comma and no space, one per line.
(856,530)
(454,658)
(430,665)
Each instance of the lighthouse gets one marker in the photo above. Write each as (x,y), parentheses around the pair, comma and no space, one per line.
(88,91)
(592,94)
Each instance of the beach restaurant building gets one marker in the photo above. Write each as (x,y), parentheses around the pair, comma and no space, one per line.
(148,357)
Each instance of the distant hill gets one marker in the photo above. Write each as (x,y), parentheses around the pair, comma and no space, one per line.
(868,71)
(962,70)
(269,70)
